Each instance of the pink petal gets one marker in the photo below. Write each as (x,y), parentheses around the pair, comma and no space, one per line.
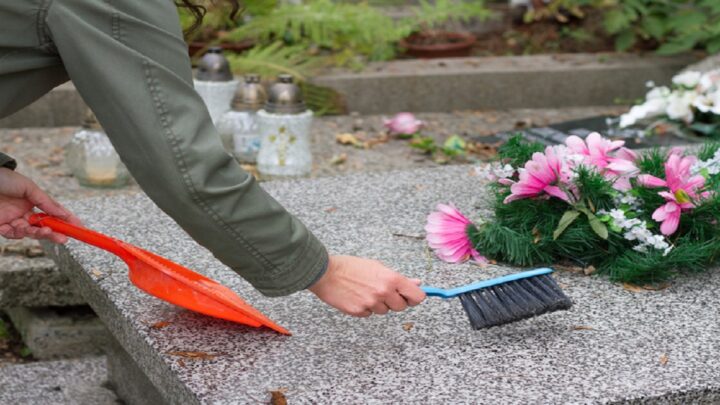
(671,223)
(576,144)
(555,191)
(626,154)
(650,181)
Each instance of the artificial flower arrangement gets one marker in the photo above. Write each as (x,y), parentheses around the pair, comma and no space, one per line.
(693,102)
(640,218)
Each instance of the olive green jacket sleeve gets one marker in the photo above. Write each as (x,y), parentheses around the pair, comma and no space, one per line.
(130,64)
(7,161)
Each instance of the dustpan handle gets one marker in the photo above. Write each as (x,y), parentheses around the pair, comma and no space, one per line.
(78,232)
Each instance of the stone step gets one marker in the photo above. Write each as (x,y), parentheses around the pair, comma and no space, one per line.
(612,346)
(59,332)
(32,281)
(64,382)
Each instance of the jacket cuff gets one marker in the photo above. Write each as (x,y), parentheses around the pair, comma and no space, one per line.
(306,268)
(7,161)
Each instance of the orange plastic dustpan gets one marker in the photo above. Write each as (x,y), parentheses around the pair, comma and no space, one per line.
(167,280)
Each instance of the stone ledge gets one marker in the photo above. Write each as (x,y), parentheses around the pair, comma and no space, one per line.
(66,382)
(616,356)
(538,81)
(34,282)
(60,333)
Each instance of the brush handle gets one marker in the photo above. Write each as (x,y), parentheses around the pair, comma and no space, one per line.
(454,292)
(78,232)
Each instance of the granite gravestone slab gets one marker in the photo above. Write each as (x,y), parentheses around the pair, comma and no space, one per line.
(614,345)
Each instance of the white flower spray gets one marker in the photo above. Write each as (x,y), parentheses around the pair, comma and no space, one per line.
(636,230)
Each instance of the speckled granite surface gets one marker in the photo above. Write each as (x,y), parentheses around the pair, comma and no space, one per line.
(614,345)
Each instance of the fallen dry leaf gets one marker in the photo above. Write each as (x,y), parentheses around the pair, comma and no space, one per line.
(589,270)
(656,287)
(252,169)
(645,287)
(96,272)
(278,397)
(633,288)
(159,325)
(582,327)
(348,139)
(664,359)
(181,363)
(331,209)
(339,159)
(193,355)
(407,326)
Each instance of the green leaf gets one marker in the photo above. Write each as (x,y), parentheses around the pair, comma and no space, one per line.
(705,129)
(625,40)
(568,217)
(616,21)
(653,26)
(677,45)
(713,46)
(454,145)
(597,226)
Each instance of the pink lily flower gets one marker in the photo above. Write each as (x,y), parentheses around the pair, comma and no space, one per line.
(403,124)
(542,174)
(615,162)
(683,190)
(447,235)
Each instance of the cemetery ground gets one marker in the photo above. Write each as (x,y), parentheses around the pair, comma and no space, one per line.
(369,194)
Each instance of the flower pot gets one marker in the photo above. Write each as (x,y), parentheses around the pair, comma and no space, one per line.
(236,47)
(438,44)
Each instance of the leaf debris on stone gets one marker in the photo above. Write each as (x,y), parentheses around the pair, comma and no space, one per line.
(278,397)
(664,359)
(582,327)
(407,326)
(160,325)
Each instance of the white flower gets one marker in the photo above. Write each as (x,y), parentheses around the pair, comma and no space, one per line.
(709,81)
(656,102)
(680,106)
(650,84)
(687,79)
(661,92)
(504,172)
(495,171)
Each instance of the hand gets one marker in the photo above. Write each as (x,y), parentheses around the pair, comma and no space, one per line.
(362,287)
(18,196)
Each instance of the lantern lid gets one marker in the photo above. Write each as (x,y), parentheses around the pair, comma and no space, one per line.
(285,97)
(214,66)
(250,95)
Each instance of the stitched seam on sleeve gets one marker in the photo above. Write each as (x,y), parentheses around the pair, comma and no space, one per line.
(182,166)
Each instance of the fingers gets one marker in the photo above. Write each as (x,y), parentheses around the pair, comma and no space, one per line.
(48,205)
(411,291)
(20,228)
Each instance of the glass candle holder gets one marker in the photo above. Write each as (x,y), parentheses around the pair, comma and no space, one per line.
(285,144)
(240,134)
(217,96)
(94,162)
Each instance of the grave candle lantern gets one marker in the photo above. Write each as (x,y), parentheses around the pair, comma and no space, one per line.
(284,126)
(214,82)
(238,127)
(92,158)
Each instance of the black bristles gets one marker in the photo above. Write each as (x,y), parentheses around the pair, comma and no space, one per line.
(513,301)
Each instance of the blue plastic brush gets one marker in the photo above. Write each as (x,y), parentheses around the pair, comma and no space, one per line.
(507,299)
